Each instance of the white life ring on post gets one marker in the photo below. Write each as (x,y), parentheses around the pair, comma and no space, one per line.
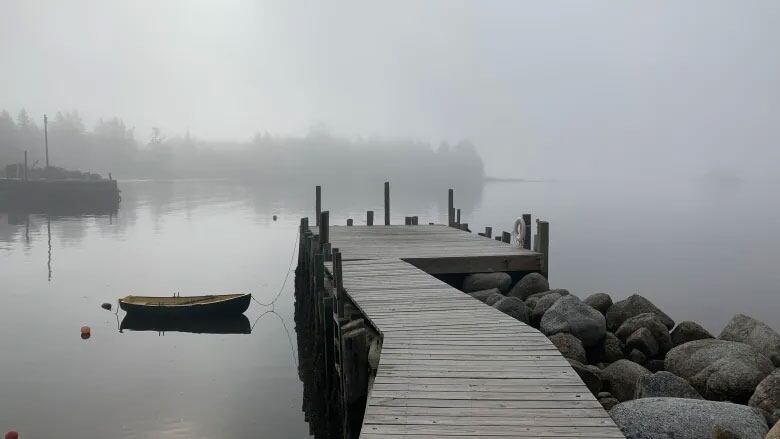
(518,233)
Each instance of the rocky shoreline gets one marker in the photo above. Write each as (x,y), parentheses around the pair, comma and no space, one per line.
(656,378)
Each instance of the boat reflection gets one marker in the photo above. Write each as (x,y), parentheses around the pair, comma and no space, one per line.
(234,324)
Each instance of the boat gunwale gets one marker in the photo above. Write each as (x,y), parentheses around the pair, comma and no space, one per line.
(222,298)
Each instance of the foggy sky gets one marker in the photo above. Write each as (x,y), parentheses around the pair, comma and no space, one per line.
(545,89)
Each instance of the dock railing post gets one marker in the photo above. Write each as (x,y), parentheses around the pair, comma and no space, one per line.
(387,203)
(451,207)
(318,203)
(338,283)
(527,234)
(544,245)
(370,218)
(324,229)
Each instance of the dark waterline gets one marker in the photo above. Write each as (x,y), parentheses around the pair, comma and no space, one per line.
(699,252)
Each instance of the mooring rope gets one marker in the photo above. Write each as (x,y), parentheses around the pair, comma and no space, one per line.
(286,277)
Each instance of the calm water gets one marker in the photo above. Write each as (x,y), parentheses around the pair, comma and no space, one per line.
(699,252)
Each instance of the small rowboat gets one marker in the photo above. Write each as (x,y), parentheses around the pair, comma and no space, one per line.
(216,305)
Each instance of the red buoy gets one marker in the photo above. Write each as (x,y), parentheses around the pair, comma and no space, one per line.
(12,435)
(85,332)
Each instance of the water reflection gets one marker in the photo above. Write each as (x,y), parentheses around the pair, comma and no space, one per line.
(235,324)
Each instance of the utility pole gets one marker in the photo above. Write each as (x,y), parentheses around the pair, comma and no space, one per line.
(46,138)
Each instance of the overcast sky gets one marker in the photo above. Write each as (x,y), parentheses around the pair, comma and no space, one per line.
(545,89)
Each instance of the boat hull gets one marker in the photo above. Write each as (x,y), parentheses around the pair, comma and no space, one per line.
(228,307)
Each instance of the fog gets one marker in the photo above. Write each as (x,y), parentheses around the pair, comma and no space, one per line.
(556,90)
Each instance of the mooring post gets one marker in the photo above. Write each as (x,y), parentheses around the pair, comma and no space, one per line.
(326,251)
(324,229)
(415,220)
(387,203)
(527,235)
(544,245)
(303,228)
(349,221)
(370,218)
(339,283)
(488,232)
(318,203)
(506,237)
(407,220)
(25,165)
(451,207)
(457,219)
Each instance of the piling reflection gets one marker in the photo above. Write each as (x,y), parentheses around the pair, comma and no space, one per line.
(235,324)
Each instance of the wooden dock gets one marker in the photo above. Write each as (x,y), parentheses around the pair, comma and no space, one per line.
(451,366)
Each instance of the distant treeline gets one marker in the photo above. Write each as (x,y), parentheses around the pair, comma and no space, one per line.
(111,146)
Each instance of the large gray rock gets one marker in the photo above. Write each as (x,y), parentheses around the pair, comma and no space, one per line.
(621,378)
(650,321)
(569,314)
(664,384)
(637,356)
(758,334)
(633,305)
(484,295)
(719,369)
(589,376)
(570,346)
(513,307)
(643,340)
(542,305)
(531,283)
(533,299)
(767,396)
(688,331)
(682,418)
(608,350)
(494,298)
(486,281)
(599,301)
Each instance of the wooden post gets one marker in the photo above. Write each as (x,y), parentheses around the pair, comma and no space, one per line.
(544,245)
(387,203)
(527,236)
(318,203)
(464,227)
(451,207)
(349,221)
(370,218)
(407,221)
(488,232)
(25,165)
(415,220)
(506,237)
(338,283)
(498,238)
(324,229)
(46,138)
(457,219)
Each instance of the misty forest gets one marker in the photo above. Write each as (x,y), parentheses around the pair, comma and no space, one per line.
(114,146)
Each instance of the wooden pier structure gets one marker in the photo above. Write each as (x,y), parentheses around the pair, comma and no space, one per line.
(420,358)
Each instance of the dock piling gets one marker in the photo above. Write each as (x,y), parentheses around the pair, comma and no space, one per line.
(324,229)
(370,218)
(318,203)
(544,244)
(387,203)
(527,235)
(451,207)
